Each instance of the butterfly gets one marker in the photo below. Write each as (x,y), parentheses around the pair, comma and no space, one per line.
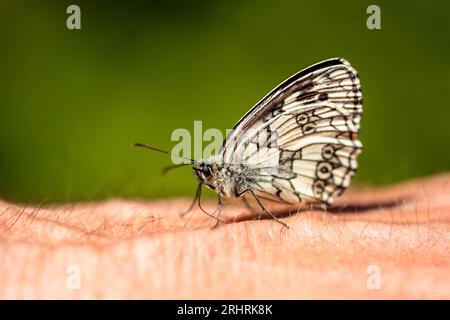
(299,144)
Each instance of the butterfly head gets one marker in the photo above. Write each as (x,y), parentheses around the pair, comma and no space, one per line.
(206,173)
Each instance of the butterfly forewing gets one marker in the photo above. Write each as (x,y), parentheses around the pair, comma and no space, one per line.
(300,142)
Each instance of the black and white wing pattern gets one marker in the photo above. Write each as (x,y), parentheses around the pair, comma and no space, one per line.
(300,142)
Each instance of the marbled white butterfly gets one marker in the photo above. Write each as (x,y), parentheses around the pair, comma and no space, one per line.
(298,144)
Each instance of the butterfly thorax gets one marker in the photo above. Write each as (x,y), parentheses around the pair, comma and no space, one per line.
(228,180)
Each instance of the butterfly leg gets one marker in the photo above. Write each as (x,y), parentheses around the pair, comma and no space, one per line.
(267,211)
(219,207)
(197,196)
(249,207)
(219,211)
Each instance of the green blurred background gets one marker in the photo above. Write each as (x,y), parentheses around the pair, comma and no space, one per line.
(72,102)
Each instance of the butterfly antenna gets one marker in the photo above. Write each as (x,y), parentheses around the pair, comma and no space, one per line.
(146,146)
(173,166)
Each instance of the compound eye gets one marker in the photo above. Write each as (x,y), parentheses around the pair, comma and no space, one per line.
(206,169)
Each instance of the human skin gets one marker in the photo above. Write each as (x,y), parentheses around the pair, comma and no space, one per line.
(390,242)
